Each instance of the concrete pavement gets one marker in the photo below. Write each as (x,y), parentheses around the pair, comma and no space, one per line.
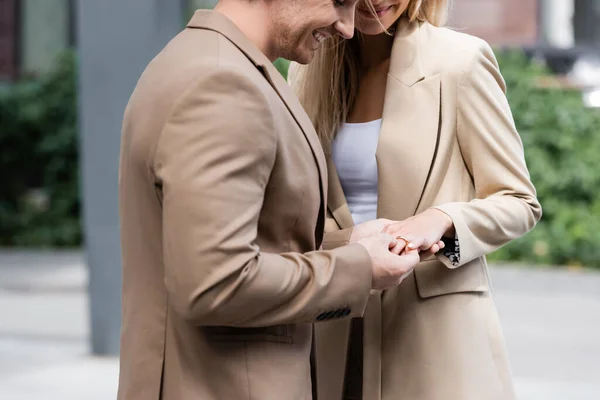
(551,320)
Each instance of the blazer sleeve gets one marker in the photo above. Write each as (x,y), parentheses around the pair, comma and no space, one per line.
(505,206)
(213,160)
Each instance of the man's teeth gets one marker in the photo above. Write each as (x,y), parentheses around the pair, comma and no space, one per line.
(319,37)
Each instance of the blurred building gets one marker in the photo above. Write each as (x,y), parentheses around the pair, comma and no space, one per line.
(565,34)
(559,24)
(32,34)
(500,22)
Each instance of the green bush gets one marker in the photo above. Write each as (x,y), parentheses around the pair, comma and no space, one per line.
(562,147)
(282,66)
(39,200)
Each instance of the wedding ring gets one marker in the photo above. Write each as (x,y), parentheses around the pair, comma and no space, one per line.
(406,241)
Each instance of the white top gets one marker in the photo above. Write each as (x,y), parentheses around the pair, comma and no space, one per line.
(353,154)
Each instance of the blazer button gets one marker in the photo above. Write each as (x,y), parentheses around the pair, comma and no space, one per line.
(331,314)
(322,316)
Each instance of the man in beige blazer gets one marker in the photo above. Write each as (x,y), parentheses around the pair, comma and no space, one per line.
(222,187)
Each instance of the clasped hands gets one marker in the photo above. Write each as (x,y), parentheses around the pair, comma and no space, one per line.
(422,232)
(396,247)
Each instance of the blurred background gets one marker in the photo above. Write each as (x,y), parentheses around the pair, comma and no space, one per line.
(67,68)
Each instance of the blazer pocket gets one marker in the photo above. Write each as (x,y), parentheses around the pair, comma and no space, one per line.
(279,334)
(435,279)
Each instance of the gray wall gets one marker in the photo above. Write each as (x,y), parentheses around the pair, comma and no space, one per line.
(587,23)
(116,40)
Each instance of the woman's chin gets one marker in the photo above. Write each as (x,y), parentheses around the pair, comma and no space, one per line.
(376,30)
(371,28)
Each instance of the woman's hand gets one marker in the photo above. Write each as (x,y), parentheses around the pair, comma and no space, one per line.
(383,225)
(424,231)
(369,228)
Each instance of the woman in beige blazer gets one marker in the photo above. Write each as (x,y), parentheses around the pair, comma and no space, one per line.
(448,164)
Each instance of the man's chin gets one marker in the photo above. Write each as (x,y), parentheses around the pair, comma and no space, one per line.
(303,57)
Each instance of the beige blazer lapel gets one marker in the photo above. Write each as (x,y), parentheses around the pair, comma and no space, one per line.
(336,200)
(405,153)
(295,108)
(219,23)
(410,127)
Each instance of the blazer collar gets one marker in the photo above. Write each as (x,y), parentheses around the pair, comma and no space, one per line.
(215,21)
(336,200)
(406,63)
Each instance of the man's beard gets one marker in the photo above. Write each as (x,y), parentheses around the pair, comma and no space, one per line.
(288,44)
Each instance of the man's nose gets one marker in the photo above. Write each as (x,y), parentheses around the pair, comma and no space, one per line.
(345,25)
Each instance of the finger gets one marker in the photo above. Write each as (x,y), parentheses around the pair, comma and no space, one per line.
(403,265)
(400,245)
(441,244)
(413,255)
(426,246)
(418,243)
(403,239)
(388,240)
(410,259)
(411,252)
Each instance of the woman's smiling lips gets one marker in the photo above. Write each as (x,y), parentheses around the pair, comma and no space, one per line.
(380,11)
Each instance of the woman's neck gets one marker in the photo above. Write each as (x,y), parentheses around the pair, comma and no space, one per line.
(374,64)
(374,50)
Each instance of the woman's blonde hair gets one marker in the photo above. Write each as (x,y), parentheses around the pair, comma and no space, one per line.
(327,87)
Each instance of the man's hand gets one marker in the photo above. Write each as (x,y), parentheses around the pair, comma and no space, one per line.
(389,269)
(369,228)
